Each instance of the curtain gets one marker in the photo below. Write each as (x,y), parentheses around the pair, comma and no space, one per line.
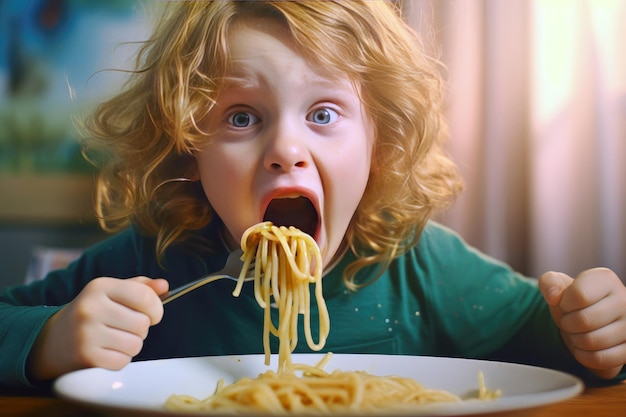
(537,112)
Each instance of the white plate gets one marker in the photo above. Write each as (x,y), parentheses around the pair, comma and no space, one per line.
(141,388)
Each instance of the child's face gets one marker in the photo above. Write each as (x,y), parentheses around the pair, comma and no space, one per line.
(291,143)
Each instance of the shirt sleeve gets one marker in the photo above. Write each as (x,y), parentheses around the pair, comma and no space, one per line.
(24,309)
(19,328)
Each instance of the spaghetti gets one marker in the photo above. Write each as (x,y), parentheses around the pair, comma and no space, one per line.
(287,262)
(315,392)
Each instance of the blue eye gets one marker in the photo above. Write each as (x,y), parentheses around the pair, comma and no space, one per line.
(242,119)
(323,116)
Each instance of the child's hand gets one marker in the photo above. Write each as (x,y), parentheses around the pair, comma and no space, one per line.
(104,326)
(591,313)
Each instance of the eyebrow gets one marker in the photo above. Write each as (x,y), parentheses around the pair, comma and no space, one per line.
(242,82)
(236,81)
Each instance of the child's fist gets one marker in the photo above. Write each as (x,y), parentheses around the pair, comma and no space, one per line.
(590,311)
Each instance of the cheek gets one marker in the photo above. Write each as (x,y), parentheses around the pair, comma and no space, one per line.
(352,186)
(224,181)
(350,176)
(345,183)
(213,176)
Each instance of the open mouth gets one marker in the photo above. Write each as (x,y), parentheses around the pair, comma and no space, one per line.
(298,212)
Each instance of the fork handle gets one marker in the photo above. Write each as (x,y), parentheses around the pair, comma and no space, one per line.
(174,294)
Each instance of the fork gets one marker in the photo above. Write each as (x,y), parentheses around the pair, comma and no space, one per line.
(231,270)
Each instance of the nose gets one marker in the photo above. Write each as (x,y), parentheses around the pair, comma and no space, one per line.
(286,149)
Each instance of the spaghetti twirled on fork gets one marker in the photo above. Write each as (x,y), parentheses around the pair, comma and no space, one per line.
(287,262)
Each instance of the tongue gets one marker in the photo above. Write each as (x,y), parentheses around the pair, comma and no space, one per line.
(296,212)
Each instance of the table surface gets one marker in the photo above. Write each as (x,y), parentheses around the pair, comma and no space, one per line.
(603,401)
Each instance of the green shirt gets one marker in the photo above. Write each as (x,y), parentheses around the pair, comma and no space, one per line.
(442,298)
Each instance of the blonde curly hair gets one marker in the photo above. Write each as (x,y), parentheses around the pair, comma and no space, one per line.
(143,139)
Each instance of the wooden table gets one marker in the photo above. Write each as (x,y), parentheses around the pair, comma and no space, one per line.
(606,401)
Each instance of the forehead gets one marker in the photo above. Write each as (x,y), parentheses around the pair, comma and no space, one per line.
(262,43)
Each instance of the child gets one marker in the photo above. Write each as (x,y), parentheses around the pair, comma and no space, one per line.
(322,115)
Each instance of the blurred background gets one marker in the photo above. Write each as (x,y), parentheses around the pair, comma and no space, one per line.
(537,109)
(52,53)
